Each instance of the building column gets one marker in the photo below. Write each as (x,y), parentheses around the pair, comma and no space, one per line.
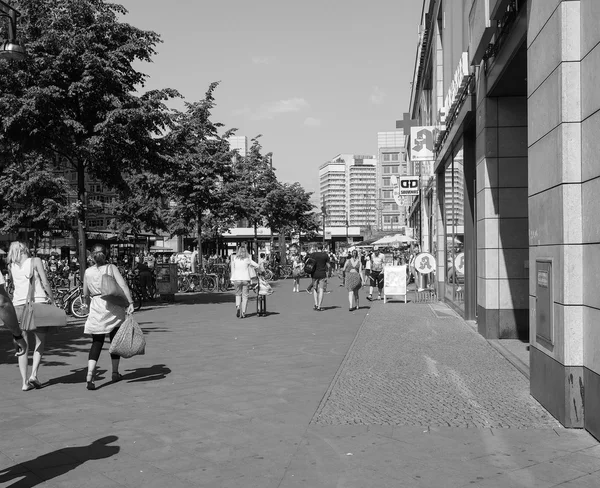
(555,209)
(501,192)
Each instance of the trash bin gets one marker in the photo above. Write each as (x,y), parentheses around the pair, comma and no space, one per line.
(166,281)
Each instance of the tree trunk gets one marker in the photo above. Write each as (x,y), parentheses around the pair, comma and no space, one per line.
(199,238)
(282,254)
(256,241)
(81,219)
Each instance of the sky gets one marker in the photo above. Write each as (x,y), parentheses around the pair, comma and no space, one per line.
(315,78)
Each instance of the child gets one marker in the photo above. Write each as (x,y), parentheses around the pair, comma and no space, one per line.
(262,290)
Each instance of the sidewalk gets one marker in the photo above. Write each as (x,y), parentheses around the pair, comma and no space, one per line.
(395,395)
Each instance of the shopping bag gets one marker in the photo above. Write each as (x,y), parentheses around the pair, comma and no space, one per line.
(110,289)
(129,340)
(34,315)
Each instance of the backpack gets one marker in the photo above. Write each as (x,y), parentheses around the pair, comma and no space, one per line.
(309,266)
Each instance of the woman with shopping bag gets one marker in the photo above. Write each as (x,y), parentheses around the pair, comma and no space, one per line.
(31,295)
(109,299)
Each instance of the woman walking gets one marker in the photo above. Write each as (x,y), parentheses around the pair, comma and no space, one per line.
(240,276)
(104,317)
(353,279)
(22,268)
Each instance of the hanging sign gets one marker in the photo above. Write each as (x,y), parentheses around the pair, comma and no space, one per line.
(424,263)
(421,144)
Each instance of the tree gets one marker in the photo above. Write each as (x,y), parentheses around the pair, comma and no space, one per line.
(254,179)
(74,97)
(201,167)
(288,207)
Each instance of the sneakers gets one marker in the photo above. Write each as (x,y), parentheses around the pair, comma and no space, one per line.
(370,298)
(379,297)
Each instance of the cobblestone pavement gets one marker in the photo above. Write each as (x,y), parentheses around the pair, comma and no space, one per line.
(409,367)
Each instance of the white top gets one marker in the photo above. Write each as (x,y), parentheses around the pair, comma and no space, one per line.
(103,316)
(21,275)
(2,282)
(377,262)
(240,269)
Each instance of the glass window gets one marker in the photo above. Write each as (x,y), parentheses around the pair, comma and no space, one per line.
(394,170)
(387,181)
(387,194)
(387,170)
(455,237)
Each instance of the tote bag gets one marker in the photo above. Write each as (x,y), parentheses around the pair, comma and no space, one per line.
(129,340)
(36,315)
(110,289)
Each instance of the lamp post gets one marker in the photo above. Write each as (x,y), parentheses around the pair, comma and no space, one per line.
(10,48)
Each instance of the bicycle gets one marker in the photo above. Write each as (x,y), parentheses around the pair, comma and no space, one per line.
(71,301)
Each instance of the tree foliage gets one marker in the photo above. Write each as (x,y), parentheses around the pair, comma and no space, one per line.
(200,167)
(75,96)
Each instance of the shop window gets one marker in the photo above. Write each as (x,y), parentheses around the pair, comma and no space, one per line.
(455,237)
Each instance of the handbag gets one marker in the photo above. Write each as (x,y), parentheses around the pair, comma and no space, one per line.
(36,315)
(129,340)
(111,291)
(252,272)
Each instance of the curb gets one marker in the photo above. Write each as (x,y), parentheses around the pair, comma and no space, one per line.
(510,357)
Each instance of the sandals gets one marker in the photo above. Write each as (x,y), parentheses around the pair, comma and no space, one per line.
(28,386)
(35,383)
(116,377)
(90,385)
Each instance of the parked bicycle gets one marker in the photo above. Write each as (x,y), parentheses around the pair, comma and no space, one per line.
(192,282)
(71,301)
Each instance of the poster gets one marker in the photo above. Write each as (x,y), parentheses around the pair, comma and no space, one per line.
(394,282)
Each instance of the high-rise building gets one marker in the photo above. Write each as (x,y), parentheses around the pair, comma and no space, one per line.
(391,154)
(348,191)
(240,144)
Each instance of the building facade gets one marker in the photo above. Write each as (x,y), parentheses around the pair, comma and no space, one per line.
(348,191)
(508,86)
(391,156)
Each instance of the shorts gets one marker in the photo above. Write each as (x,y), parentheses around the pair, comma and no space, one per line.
(377,279)
(319,283)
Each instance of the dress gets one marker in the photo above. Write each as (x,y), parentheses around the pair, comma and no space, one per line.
(104,316)
(352,280)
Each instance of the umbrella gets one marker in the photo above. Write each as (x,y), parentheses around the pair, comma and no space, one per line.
(2,251)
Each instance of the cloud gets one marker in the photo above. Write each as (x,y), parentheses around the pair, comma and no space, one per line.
(377,96)
(312,122)
(263,59)
(272,109)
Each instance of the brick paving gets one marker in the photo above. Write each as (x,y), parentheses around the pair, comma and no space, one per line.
(222,402)
(408,366)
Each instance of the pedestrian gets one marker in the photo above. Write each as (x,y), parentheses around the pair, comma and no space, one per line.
(377,261)
(104,317)
(296,271)
(22,268)
(8,317)
(319,276)
(145,277)
(353,279)
(240,274)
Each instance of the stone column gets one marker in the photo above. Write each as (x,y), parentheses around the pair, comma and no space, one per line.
(501,185)
(555,208)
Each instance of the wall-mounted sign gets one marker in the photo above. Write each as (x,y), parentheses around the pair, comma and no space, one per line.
(421,144)
(408,186)
(459,263)
(424,263)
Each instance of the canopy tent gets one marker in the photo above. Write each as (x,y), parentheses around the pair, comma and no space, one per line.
(394,240)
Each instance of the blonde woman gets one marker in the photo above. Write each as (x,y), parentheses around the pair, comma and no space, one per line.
(22,266)
(240,276)
(296,271)
(104,318)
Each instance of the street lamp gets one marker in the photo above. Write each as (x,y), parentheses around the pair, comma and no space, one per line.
(10,48)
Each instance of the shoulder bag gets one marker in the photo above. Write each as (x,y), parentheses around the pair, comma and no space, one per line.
(36,315)
(110,289)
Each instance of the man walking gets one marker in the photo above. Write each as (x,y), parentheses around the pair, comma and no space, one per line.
(319,276)
(377,260)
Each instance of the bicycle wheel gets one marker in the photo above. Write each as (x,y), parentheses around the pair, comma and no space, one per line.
(268,275)
(195,283)
(183,284)
(136,296)
(77,309)
(285,272)
(209,283)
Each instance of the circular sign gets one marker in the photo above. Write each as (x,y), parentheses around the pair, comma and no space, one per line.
(424,263)
(459,263)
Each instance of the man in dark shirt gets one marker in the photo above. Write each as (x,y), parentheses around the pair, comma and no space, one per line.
(319,276)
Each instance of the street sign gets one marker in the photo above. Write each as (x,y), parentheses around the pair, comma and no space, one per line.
(327,235)
(408,186)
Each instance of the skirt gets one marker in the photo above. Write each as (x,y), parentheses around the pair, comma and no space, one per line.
(353,281)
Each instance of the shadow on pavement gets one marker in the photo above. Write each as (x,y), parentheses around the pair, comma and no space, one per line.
(152,373)
(61,461)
